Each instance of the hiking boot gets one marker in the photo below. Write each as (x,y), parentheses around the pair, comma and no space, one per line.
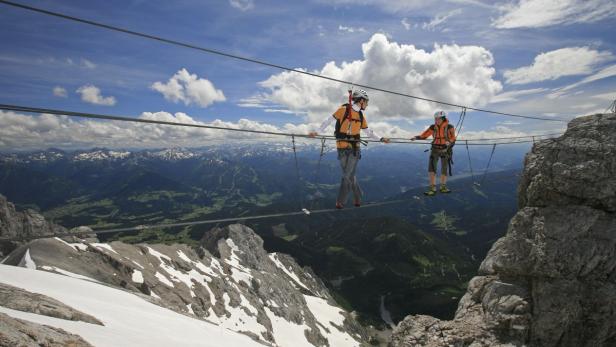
(431,191)
(444,189)
(339,206)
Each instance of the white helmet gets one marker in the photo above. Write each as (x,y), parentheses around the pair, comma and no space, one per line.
(360,94)
(440,114)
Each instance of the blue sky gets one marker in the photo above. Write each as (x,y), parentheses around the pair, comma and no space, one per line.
(531,57)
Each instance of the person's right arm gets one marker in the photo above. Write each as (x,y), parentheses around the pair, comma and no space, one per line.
(327,122)
(423,135)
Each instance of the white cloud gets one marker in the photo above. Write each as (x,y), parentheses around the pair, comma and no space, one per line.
(60,92)
(552,65)
(92,94)
(458,74)
(471,2)
(189,88)
(27,132)
(88,64)
(503,131)
(607,72)
(541,13)
(405,22)
(392,6)
(440,19)
(513,95)
(242,5)
(351,29)
(611,96)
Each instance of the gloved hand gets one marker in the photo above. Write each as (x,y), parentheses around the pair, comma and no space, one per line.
(416,138)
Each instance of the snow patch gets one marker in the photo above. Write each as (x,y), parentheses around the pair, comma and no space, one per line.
(136,263)
(137,276)
(27,261)
(184,257)
(240,320)
(68,273)
(128,319)
(104,246)
(280,265)
(287,333)
(77,246)
(164,279)
(157,254)
(330,317)
(238,272)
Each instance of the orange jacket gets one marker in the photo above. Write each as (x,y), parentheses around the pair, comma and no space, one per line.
(439,133)
(344,126)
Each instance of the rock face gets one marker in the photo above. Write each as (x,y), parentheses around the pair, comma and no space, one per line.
(551,281)
(22,300)
(24,224)
(17,332)
(230,281)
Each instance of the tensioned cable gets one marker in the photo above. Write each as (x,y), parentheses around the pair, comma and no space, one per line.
(204,126)
(235,219)
(256,61)
(495,138)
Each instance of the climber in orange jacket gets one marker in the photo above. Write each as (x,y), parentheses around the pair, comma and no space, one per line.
(444,138)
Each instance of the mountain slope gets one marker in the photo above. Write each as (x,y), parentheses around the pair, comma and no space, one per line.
(230,281)
(128,319)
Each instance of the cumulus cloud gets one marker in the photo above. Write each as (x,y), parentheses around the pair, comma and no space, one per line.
(440,19)
(60,92)
(189,88)
(458,74)
(242,5)
(92,94)
(552,65)
(542,13)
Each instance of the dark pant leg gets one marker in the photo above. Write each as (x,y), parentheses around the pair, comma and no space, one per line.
(348,164)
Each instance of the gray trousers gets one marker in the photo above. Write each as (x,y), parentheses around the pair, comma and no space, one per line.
(348,162)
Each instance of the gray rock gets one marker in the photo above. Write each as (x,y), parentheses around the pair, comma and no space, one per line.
(23,225)
(17,332)
(551,280)
(22,300)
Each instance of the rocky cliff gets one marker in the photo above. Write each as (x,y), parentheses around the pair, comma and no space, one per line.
(21,224)
(551,281)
